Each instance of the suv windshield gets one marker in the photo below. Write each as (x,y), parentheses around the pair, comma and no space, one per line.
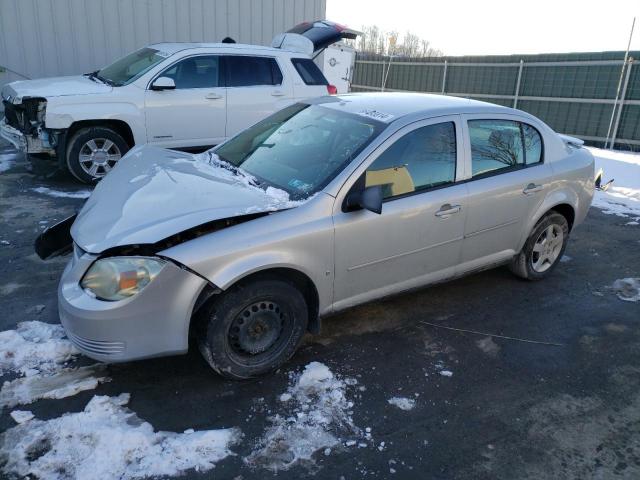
(301,148)
(131,67)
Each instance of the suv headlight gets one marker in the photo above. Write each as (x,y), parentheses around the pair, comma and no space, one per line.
(117,278)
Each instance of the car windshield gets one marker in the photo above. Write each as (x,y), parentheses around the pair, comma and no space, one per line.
(301,148)
(131,67)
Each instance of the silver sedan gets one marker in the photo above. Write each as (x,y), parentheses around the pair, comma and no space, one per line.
(322,206)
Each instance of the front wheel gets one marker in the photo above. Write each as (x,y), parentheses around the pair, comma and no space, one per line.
(543,249)
(93,152)
(254,328)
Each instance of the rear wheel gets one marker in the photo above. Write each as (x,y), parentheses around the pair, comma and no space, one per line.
(93,152)
(543,249)
(253,328)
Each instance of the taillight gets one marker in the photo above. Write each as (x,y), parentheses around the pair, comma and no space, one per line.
(332,89)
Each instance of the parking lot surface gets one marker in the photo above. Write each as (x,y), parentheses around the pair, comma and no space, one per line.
(473,405)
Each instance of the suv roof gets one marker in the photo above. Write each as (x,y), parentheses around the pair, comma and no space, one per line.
(175,47)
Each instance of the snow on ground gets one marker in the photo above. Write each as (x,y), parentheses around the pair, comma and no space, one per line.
(40,352)
(403,403)
(33,348)
(627,289)
(61,194)
(623,197)
(6,161)
(66,383)
(318,417)
(107,441)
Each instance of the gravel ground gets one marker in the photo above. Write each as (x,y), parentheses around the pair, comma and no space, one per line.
(508,409)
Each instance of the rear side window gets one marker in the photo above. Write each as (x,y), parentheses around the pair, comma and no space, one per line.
(194,72)
(502,144)
(247,71)
(422,159)
(309,71)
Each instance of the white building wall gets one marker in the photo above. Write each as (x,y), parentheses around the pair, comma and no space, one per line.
(43,38)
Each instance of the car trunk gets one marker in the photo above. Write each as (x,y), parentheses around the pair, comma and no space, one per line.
(311,38)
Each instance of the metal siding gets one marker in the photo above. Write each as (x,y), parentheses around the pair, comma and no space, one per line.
(42,38)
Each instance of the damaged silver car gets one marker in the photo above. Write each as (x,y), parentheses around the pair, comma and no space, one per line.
(322,206)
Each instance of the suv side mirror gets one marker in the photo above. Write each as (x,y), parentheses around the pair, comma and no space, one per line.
(163,83)
(370,199)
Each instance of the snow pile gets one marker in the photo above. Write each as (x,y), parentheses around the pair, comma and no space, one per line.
(33,348)
(623,197)
(403,403)
(277,199)
(318,414)
(107,441)
(6,162)
(627,289)
(66,383)
(61,194)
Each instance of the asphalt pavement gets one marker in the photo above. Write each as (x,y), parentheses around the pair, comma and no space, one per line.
(568,407)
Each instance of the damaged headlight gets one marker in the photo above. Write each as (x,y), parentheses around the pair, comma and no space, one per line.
(117,278)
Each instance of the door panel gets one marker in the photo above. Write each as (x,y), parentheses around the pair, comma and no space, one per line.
(499,205)
(418,236)
(256,89)
(405,246)
(194,114)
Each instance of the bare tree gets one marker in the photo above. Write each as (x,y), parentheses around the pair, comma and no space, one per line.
(377,41)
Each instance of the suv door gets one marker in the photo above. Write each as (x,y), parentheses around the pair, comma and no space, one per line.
(507,184)
(194,113)
(418,236)
(256,88)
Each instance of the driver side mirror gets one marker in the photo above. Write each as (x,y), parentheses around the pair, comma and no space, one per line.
(369,199)
(163,83)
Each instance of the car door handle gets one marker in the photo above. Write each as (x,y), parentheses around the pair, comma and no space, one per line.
(532,188)
(277,93)
(447,210)
(212,96)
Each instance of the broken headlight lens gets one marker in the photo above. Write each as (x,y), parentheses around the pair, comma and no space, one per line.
(117,278)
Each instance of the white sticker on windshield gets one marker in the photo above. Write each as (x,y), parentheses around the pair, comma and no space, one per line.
(162,54)
(376,115)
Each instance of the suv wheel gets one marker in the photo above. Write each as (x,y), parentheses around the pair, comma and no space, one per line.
(543,249)
(253,328)
(93,152)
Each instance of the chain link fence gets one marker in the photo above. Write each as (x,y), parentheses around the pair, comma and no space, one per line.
(575,93)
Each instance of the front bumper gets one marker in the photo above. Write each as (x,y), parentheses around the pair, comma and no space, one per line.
(13,136)
(155,322)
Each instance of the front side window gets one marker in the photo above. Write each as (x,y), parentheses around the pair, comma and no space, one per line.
(247,71)
(422,159)
(195,72)
(503,144)
(132,67)
(301,148)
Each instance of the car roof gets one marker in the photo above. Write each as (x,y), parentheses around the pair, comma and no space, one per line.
(390,106)
(174,47)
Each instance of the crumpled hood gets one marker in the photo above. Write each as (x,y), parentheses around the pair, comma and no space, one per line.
(154,193)
(54,87)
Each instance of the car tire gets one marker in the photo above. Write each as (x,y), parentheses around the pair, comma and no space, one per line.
(253,328)
(543,249)
(92,153)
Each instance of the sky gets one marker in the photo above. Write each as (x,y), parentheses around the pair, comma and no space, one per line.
(487,27)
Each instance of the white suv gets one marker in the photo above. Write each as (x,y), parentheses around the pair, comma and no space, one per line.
(176,95)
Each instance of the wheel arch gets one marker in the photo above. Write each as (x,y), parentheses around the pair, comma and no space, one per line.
(294,276)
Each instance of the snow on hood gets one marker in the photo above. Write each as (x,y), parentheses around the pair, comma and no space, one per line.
(154,193)
(54,87)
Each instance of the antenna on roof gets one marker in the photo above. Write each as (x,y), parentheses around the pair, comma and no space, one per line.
(228,40)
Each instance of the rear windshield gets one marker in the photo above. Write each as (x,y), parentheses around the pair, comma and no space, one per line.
(309,71)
